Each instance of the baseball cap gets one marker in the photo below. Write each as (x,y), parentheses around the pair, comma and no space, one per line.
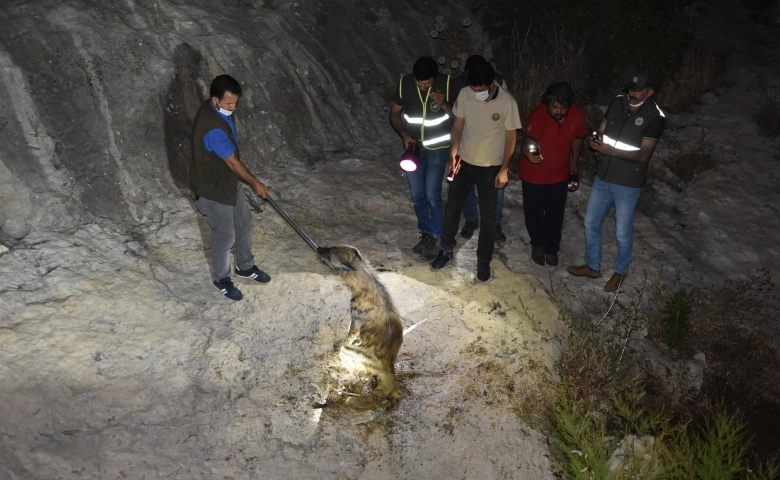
(639,80)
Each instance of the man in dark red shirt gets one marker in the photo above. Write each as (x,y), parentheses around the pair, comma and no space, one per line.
(554,134)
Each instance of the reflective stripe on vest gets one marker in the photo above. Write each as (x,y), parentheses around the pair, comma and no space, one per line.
(437,140)
(434,126)
(426,122)
(619,145)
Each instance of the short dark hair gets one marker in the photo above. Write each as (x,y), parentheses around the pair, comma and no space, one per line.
(559,92)
(222,84)
(481,74)
(425,68)
(473,60)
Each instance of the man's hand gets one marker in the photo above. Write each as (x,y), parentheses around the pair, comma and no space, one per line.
(260,189)
(601,147)
(437,97)
(573,168)
(452,165)
(534,158)
(502,178)
(408,141)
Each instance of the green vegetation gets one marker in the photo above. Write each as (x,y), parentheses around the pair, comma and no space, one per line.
(604,423)
(675,319)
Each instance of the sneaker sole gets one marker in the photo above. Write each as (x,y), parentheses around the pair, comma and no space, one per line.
(253,278)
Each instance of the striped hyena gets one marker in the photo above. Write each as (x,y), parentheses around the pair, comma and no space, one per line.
(375,333)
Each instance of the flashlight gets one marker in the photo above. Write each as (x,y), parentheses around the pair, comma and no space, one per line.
(451,174)
(409,161)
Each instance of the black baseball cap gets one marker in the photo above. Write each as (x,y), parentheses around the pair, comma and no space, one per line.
(639,80)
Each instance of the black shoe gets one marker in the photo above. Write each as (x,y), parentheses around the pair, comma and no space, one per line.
(430,249)
(483,271)
(254,273)
(424,239)
(551,259)
(500,237)
(468,228)
(441,259)
(537,255)
(228,289)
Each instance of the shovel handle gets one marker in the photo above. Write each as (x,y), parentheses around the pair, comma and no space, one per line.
(291,222)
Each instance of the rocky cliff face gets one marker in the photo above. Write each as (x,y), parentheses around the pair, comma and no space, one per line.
(98,96)
(119,358)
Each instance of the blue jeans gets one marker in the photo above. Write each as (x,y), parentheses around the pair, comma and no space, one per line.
(470,208)
(425,186)
(602,197)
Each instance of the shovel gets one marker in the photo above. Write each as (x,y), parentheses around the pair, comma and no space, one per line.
(291,222)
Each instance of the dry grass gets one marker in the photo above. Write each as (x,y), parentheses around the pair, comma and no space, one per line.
(700,71)
(687,165)
(539,61)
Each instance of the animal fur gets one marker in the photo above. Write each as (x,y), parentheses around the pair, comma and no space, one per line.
(375,332)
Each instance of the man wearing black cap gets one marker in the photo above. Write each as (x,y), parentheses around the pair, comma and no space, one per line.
(625,142)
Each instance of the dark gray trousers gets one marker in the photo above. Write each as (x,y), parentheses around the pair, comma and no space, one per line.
(230,225)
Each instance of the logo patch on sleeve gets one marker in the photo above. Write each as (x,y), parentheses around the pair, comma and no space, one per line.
(496,117)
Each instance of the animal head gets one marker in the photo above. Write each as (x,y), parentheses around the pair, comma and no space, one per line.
(341,257)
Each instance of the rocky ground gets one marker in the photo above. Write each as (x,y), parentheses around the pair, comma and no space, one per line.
(119,359)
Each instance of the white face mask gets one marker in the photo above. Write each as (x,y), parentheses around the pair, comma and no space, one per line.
(224,112)
(481,96)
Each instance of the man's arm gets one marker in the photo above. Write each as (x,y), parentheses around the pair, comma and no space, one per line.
(455,135)
(438,97)
(398,126)
(510,141)
(238,168)
(576,151)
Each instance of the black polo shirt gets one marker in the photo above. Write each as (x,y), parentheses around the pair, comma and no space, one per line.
(625,131)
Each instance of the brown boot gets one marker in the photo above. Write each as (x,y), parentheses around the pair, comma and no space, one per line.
(614,282)
(584,271)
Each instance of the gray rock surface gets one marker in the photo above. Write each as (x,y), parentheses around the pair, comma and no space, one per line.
(118,357)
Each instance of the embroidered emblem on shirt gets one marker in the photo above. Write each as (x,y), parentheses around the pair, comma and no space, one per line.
(435,107)
(496,117)
(639,121)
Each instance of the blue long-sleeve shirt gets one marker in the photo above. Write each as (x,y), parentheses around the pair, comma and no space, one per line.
(218,141)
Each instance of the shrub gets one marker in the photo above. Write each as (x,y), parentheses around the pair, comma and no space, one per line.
(676,318)
(538,63)
(699,71)
(690,163)
(613,33)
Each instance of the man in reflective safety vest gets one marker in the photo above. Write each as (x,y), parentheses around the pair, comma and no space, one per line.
(625,142)
(421,114)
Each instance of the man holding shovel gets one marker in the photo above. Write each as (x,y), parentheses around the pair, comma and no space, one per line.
(215,171)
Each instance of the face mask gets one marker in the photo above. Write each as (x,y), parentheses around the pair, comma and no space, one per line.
(481,96)
(224,112)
